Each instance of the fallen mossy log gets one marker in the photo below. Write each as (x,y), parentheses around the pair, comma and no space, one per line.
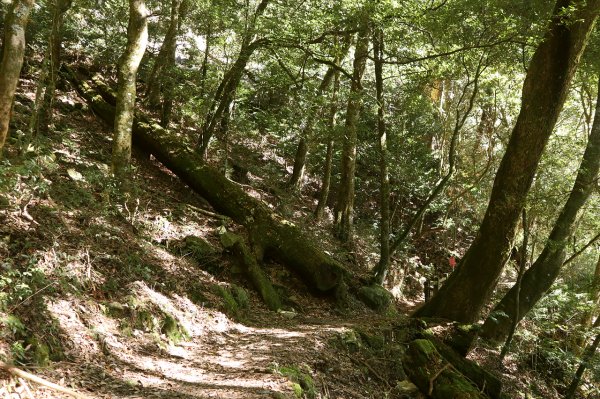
(435,375)
(270,234)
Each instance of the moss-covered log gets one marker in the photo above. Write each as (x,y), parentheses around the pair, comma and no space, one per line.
(434,375)
(270,234)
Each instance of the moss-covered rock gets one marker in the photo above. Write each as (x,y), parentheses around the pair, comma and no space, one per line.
(375,296)
(200,249)
(302,383)
(434,375)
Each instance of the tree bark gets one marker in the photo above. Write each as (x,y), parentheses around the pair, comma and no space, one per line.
(12,60)
(542,274)
(344,207)
(137,38)
(546,85)
(270,235)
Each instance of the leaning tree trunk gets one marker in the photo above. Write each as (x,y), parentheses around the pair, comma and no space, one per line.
(305,137)
(344,207)
(137,38)
(541,275)
(270,234)
(231,80)
(544,91)
(165,59)
(302,149)
(12,60)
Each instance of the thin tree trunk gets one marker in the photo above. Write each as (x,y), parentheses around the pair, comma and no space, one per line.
(380,271)
(55,43)
(12,60)
(344,207)
(165,59)
(305,137)
(541,275)
(231,80)
(546,85)
(137,38)
(384,179)
(204,68)
(588,355)
(522,265)
(331,125)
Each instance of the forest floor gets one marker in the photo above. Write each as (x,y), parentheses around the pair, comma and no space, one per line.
(115,300)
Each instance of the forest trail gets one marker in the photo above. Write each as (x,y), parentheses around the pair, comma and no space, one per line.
(222,359)
(117,272)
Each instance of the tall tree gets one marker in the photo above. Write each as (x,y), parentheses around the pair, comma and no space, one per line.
(344,207)
(544,271)
(137,38)
(12,60)
(384,179)
(546,85)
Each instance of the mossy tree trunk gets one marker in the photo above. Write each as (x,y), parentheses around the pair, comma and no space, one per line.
(270,235)
(137,38)
(546,85)
(218,113)
(344,207)
(544,271)
(12,60)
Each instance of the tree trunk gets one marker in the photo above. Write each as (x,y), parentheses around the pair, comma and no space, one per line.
(522,265)
(165,59)
(270,235)
(306,135)
(331,125)
(544,91)
(137,38)
(541,275)
(44,119)
(588,355)
(384,179)
(12,60)
(231,80)
(344,207)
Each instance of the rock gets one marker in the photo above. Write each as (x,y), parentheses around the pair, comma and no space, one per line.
(375,297)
